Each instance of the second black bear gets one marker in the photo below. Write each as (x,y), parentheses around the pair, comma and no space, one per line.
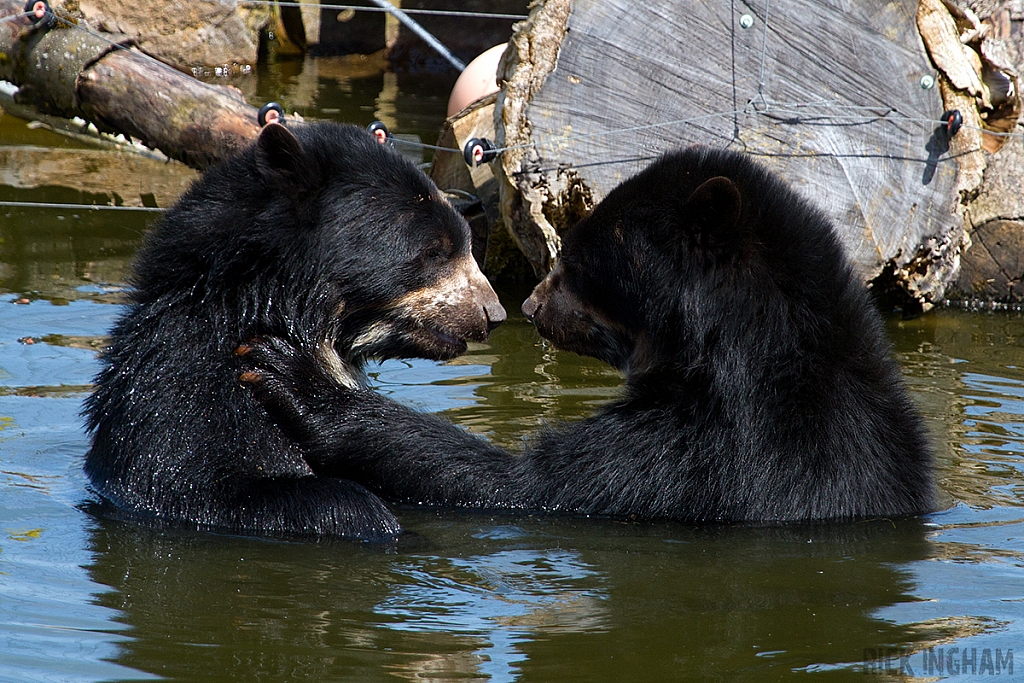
(323,236)
(758,382)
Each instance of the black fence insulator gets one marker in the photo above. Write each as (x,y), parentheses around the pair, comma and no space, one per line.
(271,112)
(479,151)
(42,16)
(953,120)
(379,131)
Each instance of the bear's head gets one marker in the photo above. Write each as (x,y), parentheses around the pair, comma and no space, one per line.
(394,251)
(320,233)
(692,251)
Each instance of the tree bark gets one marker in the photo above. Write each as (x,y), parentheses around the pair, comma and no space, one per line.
(993,268)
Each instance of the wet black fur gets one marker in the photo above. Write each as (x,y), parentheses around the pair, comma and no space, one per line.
(758,383)
(307,240)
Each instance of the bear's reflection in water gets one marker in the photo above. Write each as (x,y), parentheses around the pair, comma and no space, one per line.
(509,598)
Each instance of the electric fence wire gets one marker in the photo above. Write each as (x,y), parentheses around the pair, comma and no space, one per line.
(764,53)
(772,110)
(781,113)
(14,17)
(117,46)
(816,113)
(83,207)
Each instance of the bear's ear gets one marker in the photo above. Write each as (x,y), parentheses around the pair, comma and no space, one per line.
(280,157)
(712,213)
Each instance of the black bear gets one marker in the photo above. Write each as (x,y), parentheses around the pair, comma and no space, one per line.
(321,235)
(758,382)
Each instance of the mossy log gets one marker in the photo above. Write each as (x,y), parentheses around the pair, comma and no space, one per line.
(73,70)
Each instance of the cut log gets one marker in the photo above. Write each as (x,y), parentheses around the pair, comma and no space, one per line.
(184,118)
(843,101)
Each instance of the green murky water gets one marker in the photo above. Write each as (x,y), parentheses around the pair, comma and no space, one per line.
(471,596)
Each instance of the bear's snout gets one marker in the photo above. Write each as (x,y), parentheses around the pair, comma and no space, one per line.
(485,296)
(530,308)
(495,314)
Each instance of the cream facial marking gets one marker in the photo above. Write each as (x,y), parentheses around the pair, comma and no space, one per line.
(335,365)
(376,333)
(446,293)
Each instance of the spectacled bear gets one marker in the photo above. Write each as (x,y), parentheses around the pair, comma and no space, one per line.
(320,235)
(759,386)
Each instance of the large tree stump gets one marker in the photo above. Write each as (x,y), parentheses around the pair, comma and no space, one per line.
(841,99)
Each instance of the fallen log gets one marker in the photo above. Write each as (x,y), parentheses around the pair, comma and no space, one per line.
(65,67)
(845,102)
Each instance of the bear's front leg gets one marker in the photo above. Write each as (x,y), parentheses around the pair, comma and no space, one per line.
(333,421)
(359,435)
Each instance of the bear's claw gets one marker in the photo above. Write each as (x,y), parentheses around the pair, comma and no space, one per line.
(250,377)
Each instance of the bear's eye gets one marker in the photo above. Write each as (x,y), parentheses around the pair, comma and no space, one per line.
(435,252)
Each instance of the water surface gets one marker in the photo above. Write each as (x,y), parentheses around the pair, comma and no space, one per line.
(472,595)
